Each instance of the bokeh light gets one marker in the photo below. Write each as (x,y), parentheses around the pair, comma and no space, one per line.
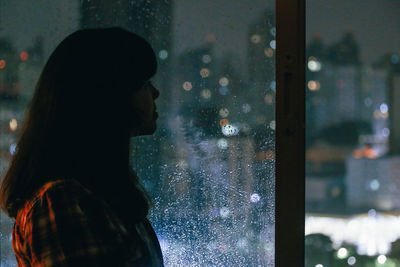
(206,59)
(187,86)
(351,260)
(255,38)
(384,108)
(2,64)
(246,108)
(222,143)
(385,132)
(224,112)
(254,197)
(313,85)
(314,65)
(224,81)
(268,52)
(374,185)
(13,124)
(163,54)
(224,212)
(268,99)
(230,130)
(223,122)
(204,72)
(382,259)
(13,148)
(272,31)
(272,44)
(24,55)
(205,93)
(223,90)
(342,253)
(272,124)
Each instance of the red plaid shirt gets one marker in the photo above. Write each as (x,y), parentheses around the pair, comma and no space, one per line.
(66,225)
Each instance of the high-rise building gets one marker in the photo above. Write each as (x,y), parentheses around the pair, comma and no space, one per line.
(261,67)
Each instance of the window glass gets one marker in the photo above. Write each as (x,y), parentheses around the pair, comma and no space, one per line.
(352,146)
(209,167)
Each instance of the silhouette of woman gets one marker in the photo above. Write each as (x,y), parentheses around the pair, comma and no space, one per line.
(70,188)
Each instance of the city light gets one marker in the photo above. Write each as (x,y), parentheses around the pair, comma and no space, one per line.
(272,86)
(224,112)
(224,81)
(374,185)
(372,213)
(163,54)
(268,99)
(272,44)
(254,197)
(13,148)
(206,59)
(351,260)
(272,31)
(246,108)
(187,86)
(13,124)
(222,143)
(223,122)
(385,132)
(224,212)
(365,152)
(314,65)
(2,64)
(24,55)
(255,38)
(342,253)
(204,72)
(205,93)
(230,130)
(223,90)
(372,235)
(268,52)
(384,108)
(272,124)
(314,85)
(382,259)
(379,115)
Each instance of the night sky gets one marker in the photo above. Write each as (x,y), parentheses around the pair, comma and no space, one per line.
(375,22)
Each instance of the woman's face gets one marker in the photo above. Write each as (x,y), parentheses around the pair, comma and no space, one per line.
(145,110)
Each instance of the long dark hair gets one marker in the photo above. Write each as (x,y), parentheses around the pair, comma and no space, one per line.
(79,120)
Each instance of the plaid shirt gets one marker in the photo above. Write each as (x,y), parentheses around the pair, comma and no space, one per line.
(66,225)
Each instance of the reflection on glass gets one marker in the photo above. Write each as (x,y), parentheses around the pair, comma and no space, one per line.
(352,200)
(210,165)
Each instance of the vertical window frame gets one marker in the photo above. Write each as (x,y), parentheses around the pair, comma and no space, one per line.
(290,133)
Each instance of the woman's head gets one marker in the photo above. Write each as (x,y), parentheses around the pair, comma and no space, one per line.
(94,73)
(84,110)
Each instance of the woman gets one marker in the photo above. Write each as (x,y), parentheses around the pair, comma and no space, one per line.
(70,188)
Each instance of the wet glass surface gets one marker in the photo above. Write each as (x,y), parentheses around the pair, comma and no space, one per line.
(210,165)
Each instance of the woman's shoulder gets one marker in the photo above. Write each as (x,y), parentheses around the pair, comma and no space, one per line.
(59,190)
(64,185)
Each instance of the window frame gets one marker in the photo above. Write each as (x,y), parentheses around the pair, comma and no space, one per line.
(290,133)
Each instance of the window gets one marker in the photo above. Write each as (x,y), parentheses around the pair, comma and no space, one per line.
(210,167)
(352,161)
